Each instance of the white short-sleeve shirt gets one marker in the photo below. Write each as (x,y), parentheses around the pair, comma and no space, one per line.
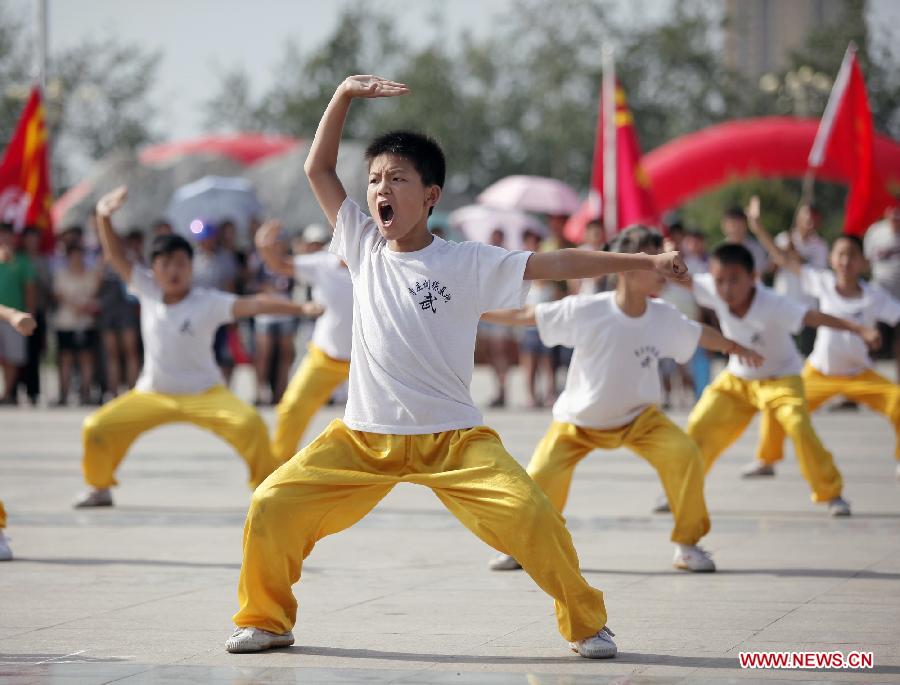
(614,372)
(842,353)
(178,338)
(414,320)
(333,289)
(767,328)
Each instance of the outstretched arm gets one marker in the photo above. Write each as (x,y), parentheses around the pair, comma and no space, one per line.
(321,163)
(23,322)
(266,304)
(784,259)
(266,239)
(814,318)
(711,339)
(511,317)
(561,265)
(113,249)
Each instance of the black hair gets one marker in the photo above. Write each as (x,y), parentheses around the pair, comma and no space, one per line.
(73,248)
(164,245)
(422,151)
(733,254)
(677,227)
(735,213)
(6,228)
(634,239)
(855,240)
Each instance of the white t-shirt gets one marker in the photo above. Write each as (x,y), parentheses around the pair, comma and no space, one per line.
(333,289)
(414,320)
(614,374)
(767,327)
(882,247)
(178,338)
(842,353)
(74,290)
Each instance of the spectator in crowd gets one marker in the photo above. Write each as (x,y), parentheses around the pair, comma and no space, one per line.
(160,227)
(535,357)
(218,269)
(17,291)
(119,326)
(736,231)
(693,251)
(274,333)
(557,239)
(36,344)
(882,247)
(497,339)
(75,287)
(134,246)
(594,239)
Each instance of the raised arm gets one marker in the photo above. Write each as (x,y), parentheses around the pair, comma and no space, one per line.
(113,249)
(266,304)
(784,259)
(23,322)
(321,163)
(266,241)
(814,318)
(711,339)
(561,265)
(511,317)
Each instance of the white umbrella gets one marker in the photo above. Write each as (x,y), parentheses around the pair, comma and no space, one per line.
(215,199)
(531,194)
(478,222)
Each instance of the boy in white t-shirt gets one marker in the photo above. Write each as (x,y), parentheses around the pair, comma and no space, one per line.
(839,363)
(613,391)
(23,324)
(327,361)
(180,380)
(410,416)
(757,317)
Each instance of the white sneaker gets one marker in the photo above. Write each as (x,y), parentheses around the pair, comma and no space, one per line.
(757,469)
(599,646)
(101,497)
(839,507)
(693,558)
(250,639)
(5,551)
(504,562)
(662,505)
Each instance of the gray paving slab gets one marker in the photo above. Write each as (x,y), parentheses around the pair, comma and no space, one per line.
(143,592)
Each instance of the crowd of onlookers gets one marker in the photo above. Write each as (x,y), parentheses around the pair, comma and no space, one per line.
(90,325)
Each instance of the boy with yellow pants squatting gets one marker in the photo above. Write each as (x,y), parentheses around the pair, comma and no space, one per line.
(23,324)
(758,318)
(327,361)
(180,381)
(840,363)
(410,417)
(613,391)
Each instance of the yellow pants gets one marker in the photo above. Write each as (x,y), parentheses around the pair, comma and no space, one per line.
(340,476)
(2,517)
(309,389)
(108,432)
(727,407)
(652,436)
(868,388)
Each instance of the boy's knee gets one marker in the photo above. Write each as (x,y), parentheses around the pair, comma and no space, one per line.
(91,426)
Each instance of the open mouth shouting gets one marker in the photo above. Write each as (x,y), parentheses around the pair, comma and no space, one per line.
(385,213)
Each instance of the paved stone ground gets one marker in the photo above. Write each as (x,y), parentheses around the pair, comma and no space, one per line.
(144,592)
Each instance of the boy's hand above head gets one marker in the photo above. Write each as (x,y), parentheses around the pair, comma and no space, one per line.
(754,209)
(368,86)
(112,202)
(670,265)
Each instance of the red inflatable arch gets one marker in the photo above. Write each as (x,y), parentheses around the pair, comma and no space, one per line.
(766,147)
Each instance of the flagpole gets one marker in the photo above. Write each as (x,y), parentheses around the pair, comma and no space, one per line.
(610,209)
(41,31)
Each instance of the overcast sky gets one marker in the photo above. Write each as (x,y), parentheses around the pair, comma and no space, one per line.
(200,38)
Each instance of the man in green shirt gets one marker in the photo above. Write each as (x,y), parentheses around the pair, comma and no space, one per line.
(17,290)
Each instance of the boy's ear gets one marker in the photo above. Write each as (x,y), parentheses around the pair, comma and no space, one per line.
(434,195)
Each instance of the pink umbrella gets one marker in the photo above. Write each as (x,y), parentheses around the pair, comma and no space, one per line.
(477,222)
(531,194)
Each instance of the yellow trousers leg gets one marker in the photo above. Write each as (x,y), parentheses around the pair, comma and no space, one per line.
(2,517)
(720,416)
(109,432)
(309,389)
(339,477)
(770,447)
(652,436)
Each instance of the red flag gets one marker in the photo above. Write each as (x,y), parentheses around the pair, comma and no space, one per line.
(845,140)
(25,197)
